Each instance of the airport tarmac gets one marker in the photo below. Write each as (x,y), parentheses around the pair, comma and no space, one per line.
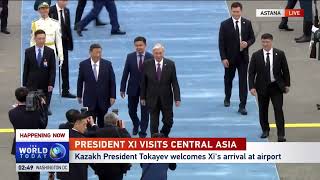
(300,103)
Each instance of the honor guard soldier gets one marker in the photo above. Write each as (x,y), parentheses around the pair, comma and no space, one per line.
(52,29)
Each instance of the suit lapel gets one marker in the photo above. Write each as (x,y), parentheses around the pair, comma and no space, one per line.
(154,69)
(275,59)
(243,23)
(66,15)
(135,64)
(164,68)
(101,68)
(91,69)
(43,56)
(34,55)
(55,13)
(262,57)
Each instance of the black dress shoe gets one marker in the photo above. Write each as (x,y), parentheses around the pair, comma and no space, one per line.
(264,135)
(68,95)
(243,111)
(79,30)
(304,39)
(99,23)
(5,31)
(285,27)
(49,112)
(118,32)
(226,103)
(135,130)
(297,38)
(84,29)
(142,134)
(282,139)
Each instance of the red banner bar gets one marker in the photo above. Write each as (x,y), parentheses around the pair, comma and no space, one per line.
(184,144)
(294,13)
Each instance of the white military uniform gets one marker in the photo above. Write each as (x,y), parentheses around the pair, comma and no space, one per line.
(53,34)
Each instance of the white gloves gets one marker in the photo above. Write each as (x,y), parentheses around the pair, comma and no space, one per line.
(60,63)
(314,29)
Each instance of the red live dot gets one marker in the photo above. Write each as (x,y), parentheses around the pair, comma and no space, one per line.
(294,13)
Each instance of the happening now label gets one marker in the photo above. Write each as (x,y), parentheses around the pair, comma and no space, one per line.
(42,150)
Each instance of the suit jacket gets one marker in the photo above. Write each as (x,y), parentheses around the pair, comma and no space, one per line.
(67,40)
(96,92)
(39,77)
(109,169)
(257,71)
(22,119)
(131,68)
(166,89)
(76,170)
(229,49)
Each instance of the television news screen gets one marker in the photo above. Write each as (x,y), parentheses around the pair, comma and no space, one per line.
(157,90)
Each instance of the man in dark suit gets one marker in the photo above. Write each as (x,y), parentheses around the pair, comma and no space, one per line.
(60,12)
(79,11)
(77,171)
(97,77)
(159,87)
(22,119)
(111,171)
(269,78)
(235,37)
(4,16)
(113,15)
(39,70)
(134,69)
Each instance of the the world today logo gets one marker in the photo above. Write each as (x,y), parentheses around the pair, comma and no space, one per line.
(42,150)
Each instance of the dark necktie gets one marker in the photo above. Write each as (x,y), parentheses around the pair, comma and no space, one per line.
(268,76)
(62,23)
(140,63)
(237,30)
(158,72)
(39,57)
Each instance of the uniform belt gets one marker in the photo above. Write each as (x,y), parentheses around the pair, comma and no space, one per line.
(50,43)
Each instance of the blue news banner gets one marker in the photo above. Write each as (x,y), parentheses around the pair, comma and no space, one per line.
(42,151)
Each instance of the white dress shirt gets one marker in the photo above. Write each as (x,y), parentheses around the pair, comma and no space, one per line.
(161,64)
(58,9)
(271,62)
(97,67)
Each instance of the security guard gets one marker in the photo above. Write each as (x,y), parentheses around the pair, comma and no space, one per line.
(52,29)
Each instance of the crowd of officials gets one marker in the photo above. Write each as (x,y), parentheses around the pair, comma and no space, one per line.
(149,80)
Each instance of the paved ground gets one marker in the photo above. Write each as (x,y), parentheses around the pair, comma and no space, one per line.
(10,79)
(300,103)
(194,49)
